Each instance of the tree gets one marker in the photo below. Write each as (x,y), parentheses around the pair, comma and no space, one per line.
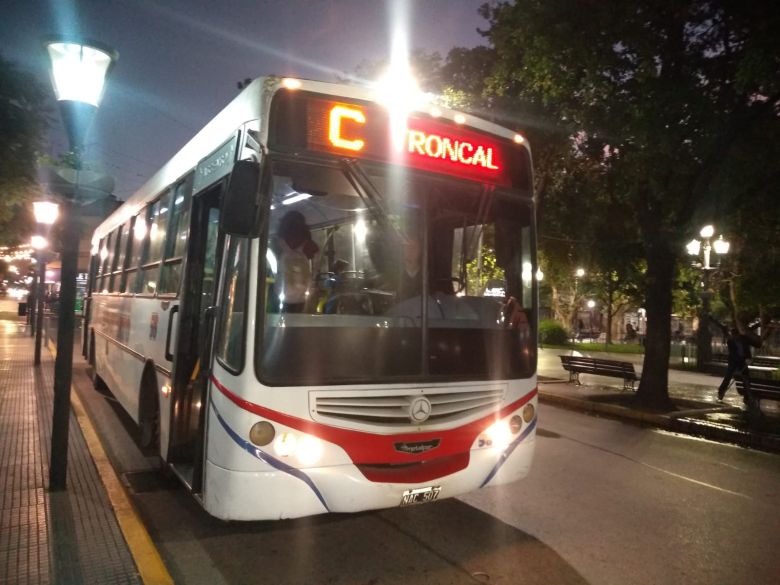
(23,119)
(671,91)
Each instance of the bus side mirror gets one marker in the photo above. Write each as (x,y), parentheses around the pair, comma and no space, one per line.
(241,205)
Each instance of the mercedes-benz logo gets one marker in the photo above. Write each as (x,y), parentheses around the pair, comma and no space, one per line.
(420,409)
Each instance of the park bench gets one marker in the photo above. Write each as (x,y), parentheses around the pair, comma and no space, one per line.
(759,363)
(577,365)
(761,389)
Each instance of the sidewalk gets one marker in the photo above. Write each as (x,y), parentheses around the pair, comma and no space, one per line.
(698,412)
(69,537)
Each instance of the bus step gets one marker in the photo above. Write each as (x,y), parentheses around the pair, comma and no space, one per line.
(185,472)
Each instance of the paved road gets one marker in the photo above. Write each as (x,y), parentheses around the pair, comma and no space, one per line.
(623,504)
(606,503)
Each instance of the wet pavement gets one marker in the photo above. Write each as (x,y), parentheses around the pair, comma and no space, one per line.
(67,536)
(697,410)
(74,537)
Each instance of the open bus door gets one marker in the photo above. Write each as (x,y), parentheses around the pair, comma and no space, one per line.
(193,339)
(86,310)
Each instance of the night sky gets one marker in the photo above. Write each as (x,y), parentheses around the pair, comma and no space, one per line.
(180,60)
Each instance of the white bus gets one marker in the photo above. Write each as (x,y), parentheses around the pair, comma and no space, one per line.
(306,311)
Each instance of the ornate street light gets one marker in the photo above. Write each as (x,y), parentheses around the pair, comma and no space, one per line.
(702,251)
(78,73)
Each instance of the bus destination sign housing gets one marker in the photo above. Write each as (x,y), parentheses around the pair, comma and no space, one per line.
(363,130)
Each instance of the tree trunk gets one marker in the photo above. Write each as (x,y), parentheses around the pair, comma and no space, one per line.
(653,389)
(610,302)
(559,308)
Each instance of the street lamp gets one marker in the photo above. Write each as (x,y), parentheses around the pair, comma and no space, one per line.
(46,213)
(702,250)
(578,273)
(78,73)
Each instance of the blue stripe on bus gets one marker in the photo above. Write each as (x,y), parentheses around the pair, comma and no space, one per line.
(508,451)
(266,458)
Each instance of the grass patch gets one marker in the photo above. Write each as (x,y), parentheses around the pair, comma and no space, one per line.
(594,347)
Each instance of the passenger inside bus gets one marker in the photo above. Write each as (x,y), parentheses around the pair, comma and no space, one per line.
(295,251)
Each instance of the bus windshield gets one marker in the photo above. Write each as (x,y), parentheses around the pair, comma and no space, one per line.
(374,274)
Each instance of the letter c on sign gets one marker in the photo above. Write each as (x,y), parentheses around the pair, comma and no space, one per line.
(337,114)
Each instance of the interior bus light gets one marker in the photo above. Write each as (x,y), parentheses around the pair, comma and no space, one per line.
(360,229)
(296,198)
(337,115)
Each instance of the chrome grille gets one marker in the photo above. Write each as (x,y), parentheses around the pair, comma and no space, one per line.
(392,407)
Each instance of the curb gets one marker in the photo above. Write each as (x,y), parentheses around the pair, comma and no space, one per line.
(147,558)
(674,424)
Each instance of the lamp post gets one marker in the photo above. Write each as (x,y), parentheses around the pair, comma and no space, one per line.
(591,305)
(46,213)
(578,273)
(78,72)
(702,251)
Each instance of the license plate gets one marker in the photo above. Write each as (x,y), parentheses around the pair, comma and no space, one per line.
(420,495)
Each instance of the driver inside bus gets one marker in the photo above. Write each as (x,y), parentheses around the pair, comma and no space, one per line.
(295,250)
(410,280)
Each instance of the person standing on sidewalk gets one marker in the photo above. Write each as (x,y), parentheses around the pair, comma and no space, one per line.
(739,341)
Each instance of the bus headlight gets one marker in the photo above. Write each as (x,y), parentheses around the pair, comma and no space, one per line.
(515,424)
(528,412)
(499,433)
(285,444)
(309,450)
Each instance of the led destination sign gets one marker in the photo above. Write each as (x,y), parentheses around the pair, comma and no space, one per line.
(363,131)
(417,142)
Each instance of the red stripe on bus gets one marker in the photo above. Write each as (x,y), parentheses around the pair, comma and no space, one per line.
(376,449)
(415,472)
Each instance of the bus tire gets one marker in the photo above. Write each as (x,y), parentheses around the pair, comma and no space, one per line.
(149,410)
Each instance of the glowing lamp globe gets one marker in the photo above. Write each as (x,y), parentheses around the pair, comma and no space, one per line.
(78,74)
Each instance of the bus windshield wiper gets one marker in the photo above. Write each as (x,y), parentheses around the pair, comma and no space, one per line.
(368,192)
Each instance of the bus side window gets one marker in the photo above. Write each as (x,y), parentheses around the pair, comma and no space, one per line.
(124,256)
(113,261)
(175,245)
(140,230)
(230,345)
(158,226)
(105,246)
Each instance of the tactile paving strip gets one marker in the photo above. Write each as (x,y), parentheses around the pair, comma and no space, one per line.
(67,537)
